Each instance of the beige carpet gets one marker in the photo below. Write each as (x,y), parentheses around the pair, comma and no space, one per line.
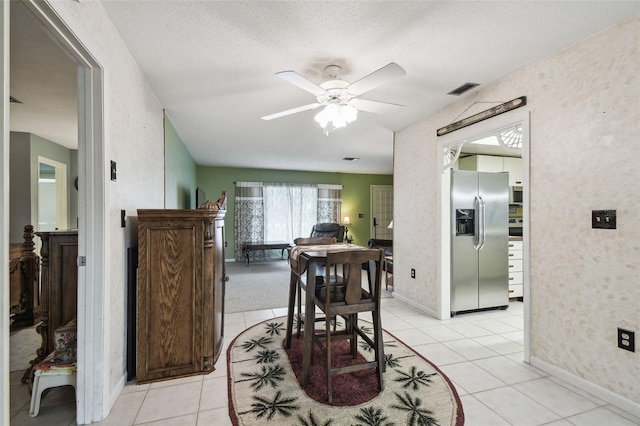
(262,285)
(264,389)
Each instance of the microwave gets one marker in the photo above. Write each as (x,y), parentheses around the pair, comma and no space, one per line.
(515,195)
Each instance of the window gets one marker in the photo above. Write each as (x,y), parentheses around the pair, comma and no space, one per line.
(282,211)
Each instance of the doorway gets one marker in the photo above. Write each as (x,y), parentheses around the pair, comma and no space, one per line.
(451,147)
(91,235)
(52,195)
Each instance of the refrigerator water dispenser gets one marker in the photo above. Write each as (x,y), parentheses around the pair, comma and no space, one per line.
(465,222)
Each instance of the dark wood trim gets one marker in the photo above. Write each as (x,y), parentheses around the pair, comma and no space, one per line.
(484,115)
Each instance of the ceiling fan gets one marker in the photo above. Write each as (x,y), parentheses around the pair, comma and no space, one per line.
(340,98)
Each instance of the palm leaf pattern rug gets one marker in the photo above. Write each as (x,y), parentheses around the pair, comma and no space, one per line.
(264,390)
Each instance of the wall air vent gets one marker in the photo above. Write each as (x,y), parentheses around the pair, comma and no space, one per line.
(463,89)
(14,100)
(351,158)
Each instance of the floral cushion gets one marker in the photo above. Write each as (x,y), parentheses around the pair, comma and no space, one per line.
(66,342)
(51,366)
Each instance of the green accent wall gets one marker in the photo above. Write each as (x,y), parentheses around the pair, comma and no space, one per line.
(180,171)
(355,193)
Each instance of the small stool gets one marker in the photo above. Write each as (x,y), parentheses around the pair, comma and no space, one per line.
(57,369)
(50,374)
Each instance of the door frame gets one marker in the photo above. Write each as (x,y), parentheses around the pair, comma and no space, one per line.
(91,396)
(453,139)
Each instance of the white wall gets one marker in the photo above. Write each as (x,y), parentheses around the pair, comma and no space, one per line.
(585,127)
(133,135)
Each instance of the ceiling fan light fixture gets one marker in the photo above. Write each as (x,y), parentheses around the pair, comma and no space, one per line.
(337,114)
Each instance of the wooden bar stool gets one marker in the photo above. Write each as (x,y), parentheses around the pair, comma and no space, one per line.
(297,269)
(346,298)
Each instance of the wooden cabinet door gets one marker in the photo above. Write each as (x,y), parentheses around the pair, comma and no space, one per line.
(169,299)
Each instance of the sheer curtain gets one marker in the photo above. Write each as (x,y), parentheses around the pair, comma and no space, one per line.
(281,212)
(290,210)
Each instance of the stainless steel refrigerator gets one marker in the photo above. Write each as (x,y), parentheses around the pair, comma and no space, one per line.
(479,240)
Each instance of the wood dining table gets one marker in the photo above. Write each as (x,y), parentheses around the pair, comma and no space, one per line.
(308,259)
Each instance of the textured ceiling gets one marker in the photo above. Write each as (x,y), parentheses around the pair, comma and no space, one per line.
(213,64)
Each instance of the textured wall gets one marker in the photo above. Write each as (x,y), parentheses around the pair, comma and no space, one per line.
(585,126)
(134,138)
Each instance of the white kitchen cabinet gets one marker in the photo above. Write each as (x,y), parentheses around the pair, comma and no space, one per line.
(515,263)
(481,163)
(513,165)
(489,163)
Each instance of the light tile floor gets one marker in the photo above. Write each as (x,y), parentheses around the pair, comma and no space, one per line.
(480,352)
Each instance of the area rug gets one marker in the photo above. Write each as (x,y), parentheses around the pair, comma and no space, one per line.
(264,389)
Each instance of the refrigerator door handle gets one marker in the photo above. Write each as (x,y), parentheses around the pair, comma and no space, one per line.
(477,242)
(481,222)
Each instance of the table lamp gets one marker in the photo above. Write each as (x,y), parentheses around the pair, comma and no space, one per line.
(346,222)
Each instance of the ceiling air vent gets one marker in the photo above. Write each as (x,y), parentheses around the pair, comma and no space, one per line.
(462,89)
(14,100)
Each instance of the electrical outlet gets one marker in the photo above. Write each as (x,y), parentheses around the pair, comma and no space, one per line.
(413,273)
(626,340)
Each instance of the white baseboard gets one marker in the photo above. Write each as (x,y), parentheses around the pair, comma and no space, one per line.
(616,400)
(415,305)
(114,395)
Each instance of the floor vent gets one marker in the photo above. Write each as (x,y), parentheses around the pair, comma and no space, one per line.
(462,89)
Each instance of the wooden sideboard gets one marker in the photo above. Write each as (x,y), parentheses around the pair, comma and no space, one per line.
(181,279)
(59,277)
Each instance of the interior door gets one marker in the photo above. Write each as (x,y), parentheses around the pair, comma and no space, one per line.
(381,211)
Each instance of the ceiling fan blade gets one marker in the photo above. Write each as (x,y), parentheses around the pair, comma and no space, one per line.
(295,78)
(374,106)
(291,111)
(376,78)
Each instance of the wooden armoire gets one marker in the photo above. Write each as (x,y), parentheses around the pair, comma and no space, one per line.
(59,279)
(181,280)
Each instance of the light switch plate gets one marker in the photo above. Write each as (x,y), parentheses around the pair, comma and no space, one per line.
(603,219)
